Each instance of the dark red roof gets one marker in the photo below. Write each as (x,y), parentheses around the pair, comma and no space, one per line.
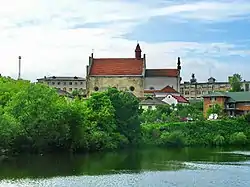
(166,89)
(162,73)
(180,99)
(116,66)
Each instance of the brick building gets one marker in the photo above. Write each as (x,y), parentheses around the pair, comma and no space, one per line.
(233,103)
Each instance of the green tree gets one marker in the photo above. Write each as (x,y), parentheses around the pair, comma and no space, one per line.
(235,82)
(37,109)
(215,109)
(127,113)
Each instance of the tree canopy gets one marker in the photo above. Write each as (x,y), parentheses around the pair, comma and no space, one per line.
(235,82)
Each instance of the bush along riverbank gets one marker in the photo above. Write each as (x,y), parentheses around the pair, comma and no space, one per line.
(199,133)
(35,119)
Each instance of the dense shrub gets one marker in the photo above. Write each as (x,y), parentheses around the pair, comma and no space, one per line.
(198,133)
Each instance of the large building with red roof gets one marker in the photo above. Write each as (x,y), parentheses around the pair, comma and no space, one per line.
(129,74)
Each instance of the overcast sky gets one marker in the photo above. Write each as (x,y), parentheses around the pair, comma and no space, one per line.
(55,37)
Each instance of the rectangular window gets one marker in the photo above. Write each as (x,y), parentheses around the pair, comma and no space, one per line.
(70,83)
(186,92)
(58,83)
(246,87)
(75,83)
(64,83)
(53,83)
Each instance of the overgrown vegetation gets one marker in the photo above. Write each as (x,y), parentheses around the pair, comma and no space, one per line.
(34,118)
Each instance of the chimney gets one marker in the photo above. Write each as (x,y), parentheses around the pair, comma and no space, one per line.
(138,52)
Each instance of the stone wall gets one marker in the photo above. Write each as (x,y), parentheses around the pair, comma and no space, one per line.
(101,83)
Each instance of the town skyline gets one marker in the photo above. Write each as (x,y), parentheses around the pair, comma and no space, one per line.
(57,38)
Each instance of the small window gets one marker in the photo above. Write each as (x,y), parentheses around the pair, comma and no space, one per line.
(70,89)
(186,92)
(75,88)
(64,83)
(70,83)
(75,83)
(53,83)
(151,88)
(81,83)
(132,88)
(96,88)
(59,83)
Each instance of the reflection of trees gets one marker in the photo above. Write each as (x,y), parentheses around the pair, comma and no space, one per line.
(114,162)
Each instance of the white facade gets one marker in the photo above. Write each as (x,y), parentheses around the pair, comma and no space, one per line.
(68,84)
(157,83)
(169,99)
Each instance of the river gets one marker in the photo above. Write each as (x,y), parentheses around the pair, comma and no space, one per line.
(188,167)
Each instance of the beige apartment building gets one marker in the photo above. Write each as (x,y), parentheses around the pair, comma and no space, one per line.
(195,90)
(67,84)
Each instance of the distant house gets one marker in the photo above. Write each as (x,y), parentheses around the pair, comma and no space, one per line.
(233,103)
(168,95)
(175,99)
(150,103)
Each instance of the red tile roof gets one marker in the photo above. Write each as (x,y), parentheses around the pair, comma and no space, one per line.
(166,89)
(162,73)
(116,66)
(180,99)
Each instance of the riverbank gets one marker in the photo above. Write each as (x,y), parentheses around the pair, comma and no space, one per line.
(230,132)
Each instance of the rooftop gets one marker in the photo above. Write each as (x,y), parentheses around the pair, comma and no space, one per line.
(116,66)
(166,89)
(63,78)
(233,96)
(161,73)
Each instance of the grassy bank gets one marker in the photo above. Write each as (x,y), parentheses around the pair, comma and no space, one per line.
(200,133)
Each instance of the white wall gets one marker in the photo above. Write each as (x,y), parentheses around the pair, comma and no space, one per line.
(170,100)
(160,82)
(146,107)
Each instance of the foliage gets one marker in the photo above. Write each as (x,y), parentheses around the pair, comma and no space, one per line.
(34,118)
(235,82)
(166,113)
(197,133)
(215,109)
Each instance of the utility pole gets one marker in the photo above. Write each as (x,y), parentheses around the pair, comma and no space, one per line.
(19,68)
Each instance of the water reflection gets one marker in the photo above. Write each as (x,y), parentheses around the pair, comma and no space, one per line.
(30,166)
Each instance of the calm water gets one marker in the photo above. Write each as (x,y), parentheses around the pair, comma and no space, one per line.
(141,168)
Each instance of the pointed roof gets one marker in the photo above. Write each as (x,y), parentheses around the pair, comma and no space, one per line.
(138,48)
(180,99)
(166,89)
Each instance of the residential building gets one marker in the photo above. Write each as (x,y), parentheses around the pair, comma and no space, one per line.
(67,84)
(150,103)
(195,90)
(128,74)
(233,103)
(168,95)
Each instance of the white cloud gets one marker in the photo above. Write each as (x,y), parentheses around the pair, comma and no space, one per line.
(45,34)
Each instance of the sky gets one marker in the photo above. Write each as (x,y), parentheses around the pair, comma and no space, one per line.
(56,37)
